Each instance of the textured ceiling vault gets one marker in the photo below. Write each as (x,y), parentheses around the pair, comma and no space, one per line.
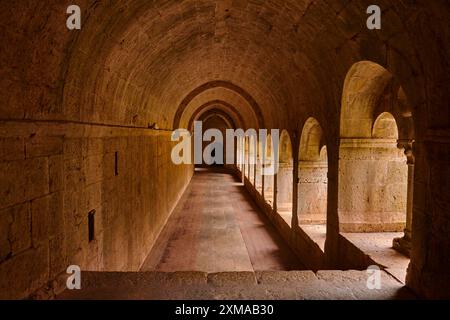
(80,112)
(134,62)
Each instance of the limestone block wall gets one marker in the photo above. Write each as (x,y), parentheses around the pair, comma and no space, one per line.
(372,186)
(54,174)
(312,192)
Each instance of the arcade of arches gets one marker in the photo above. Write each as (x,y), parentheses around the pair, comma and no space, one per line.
(86,176)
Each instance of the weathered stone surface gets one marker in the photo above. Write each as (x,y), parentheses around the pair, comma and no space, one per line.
(27,272)
(71,100)
(16,227)
(244,278)
(347,285)
(43,146)
(40,219)
(11,149)
(23,180)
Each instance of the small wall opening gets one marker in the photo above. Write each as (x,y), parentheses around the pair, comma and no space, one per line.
(116,163)
(91,225)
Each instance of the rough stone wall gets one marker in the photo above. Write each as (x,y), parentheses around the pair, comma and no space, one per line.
(312,192)
(135,61)
(57,162)
(372,187)
(53,175)
(284,187)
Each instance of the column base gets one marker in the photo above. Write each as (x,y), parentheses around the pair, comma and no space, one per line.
(402,245)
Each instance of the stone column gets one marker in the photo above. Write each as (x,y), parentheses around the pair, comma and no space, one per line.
(252,159)
(284,187)
(263,163)
(403,244)
(269,188)
(295,191)
(258,175)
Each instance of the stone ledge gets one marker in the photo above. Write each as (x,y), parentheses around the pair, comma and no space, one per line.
(261,285)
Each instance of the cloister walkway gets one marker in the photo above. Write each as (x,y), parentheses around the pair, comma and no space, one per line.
(216,227)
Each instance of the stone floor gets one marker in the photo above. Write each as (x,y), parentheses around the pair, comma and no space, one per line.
(287,216)
(218,245)
(317,233)
(378,246)
(216,227)
(261,285)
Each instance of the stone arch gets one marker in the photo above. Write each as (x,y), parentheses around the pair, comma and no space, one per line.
(313,180)
(217,106)
(218,122)
(216,113)
(363,88)
(219,84)
(372,169)
(385,127)
(312,140)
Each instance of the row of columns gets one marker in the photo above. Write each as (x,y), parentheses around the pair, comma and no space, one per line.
(270,190)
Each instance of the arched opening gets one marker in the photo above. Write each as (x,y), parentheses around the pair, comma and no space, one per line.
(284,178)
(313,181)
(214,156)
(374,191)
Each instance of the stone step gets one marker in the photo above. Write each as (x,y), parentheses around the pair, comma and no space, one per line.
(260,285)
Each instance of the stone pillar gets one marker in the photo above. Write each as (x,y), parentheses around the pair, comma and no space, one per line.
(403,244)
(258,175)
(275,190)
(252,161)
(242,155)
(295,191)
(269,189)
(263,178)
(284,187)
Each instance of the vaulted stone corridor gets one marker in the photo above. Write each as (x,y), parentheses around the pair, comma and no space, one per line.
(217,228)
(335,138)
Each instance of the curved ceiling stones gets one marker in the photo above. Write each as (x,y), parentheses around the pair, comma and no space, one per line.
(219,84)
(215,106)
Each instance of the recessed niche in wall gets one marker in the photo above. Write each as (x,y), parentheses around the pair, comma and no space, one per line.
(116,163)
(91,225)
